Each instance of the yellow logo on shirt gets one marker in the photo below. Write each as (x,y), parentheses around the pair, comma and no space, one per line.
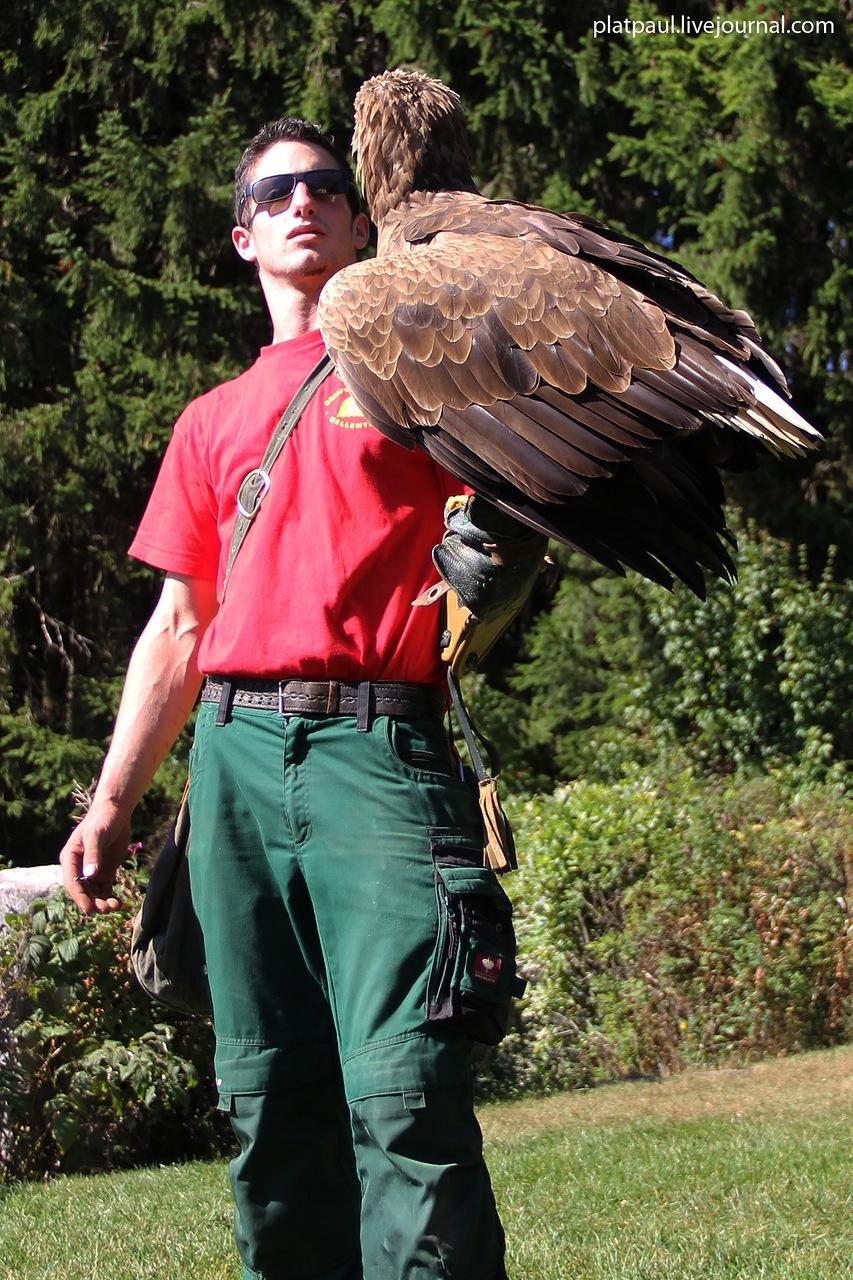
(343,411)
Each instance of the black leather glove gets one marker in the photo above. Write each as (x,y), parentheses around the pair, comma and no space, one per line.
(489,558)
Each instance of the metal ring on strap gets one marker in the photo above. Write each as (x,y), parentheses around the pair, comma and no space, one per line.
(257,494)
(287,422)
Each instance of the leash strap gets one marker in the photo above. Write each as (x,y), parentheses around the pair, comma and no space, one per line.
(498,844)
(255,485)
(469,732)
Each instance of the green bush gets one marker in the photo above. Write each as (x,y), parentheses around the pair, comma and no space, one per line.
(669,921)
(758,672)
(96,1076)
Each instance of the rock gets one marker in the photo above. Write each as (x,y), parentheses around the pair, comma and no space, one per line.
(20,885)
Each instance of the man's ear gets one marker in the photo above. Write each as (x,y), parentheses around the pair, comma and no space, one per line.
(241,238)
(360,230)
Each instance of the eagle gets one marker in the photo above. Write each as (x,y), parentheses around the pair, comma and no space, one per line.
(574,378)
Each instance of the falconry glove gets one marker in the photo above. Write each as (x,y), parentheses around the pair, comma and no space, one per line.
(489,558)
(488,562)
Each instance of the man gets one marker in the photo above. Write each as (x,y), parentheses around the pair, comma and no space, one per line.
(323,792)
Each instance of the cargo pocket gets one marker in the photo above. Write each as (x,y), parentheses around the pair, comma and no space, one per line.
(473,978)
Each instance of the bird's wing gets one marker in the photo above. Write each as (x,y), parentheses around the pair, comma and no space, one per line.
(560,370)
(453,323)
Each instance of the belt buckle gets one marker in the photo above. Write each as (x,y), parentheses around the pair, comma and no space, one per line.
(281,685)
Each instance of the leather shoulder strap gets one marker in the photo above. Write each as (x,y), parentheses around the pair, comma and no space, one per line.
(254,487)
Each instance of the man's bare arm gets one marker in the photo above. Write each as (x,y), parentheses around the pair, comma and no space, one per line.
(159,692)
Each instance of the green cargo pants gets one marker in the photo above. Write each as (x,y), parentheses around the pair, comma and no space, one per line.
(312,876)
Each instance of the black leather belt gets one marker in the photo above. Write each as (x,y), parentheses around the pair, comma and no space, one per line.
(365,700)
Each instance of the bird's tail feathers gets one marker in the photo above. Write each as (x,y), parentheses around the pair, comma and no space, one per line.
(771,419)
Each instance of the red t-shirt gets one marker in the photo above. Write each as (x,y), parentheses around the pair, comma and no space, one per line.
(324,582)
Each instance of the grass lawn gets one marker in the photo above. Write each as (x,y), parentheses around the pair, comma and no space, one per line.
(738,1175)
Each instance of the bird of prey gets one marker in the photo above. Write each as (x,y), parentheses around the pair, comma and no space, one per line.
(570,375)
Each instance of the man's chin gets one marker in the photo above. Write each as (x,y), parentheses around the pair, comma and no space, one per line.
(309,266)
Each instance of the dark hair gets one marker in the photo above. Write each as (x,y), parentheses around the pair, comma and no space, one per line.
(290,129)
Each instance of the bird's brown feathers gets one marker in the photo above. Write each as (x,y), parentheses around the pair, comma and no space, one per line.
(569,374)
(409,136)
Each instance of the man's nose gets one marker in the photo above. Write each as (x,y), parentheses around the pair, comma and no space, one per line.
(302,199)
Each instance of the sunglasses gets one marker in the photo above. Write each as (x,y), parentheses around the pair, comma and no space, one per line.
(281,186)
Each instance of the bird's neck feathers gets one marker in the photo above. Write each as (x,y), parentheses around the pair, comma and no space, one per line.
(409,136)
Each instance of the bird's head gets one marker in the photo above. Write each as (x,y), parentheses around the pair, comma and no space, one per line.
(409,136)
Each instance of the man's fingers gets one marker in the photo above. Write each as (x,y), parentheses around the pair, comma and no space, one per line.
(95,889)
(71,861)
(85,890)
(78,892)
(105,905)
(93,901)
(94,894)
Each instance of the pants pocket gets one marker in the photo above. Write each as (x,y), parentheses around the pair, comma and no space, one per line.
(473,976)
(421,746)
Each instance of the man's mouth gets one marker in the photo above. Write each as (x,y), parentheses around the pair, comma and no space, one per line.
(307,230)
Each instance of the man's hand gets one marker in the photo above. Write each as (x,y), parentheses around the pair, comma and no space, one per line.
(95,850)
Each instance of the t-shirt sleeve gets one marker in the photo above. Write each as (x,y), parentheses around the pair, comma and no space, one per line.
(178,531)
